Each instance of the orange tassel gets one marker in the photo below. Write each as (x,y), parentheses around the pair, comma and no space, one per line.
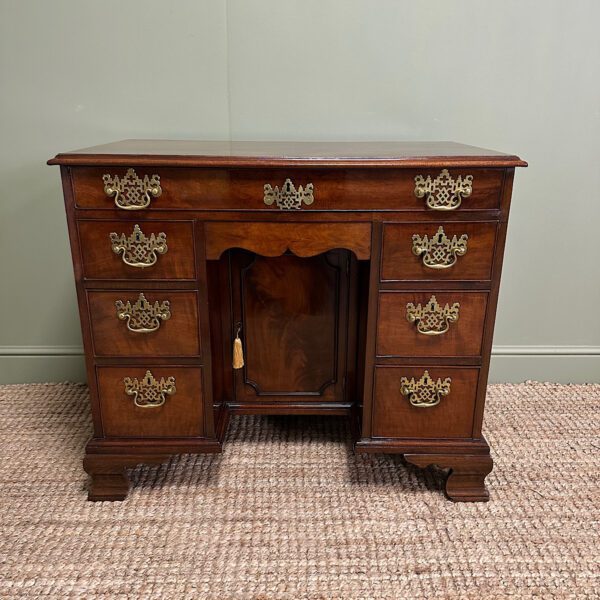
(238,352)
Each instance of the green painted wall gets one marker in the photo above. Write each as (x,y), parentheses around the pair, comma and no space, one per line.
(517,76)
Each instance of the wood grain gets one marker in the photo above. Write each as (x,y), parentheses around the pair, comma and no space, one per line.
(180,416)
(396,336)
(400,264)
(242,189)
(100,262)
(274,239)
(290,317)
(177,336)
(395,417)
(191,153)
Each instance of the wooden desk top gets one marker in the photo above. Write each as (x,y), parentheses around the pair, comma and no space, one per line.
(191,153)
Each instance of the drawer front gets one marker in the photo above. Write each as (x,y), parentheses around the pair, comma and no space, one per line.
(438,251)
(430,324)
(322,189)
(395,417)
(128,323)
(165,407)
(137,250)
(273,239)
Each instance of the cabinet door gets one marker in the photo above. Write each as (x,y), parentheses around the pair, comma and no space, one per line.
(293,318)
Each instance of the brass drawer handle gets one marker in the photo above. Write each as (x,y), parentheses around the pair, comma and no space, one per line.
(439,252)
(142,316)
(425,392)
(288,198)
(138,250)
(131,192)
(149,392)
(444,192)
(432,319)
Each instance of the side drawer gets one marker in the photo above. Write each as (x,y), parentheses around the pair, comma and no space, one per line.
(395,417)
(165,407)
(137,249)
(430,323)
(131,323)
(244,189)
(452,250)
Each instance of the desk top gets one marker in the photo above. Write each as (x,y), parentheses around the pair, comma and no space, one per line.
(191,153)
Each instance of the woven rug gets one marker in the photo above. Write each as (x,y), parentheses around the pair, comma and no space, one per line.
(288,512)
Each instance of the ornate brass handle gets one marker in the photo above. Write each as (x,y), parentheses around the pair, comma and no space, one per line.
(288,198)
(432,319)
(143,317)
(139,250)
(444,192)
(149,392)
(439,252)
(425,392)
(131,192)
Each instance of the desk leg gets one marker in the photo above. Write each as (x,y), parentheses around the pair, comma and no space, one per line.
(108,473)
(466,478)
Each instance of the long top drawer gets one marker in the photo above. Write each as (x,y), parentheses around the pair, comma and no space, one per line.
(160,188)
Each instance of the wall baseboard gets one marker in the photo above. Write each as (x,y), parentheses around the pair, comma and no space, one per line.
(41,351)
(41,368)
(546,351)
(562,364)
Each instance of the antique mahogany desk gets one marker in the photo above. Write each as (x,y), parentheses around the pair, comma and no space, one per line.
(352,279)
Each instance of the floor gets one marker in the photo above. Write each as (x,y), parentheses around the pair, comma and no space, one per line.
(289,512)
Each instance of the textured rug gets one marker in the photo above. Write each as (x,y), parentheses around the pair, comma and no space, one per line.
(288,512)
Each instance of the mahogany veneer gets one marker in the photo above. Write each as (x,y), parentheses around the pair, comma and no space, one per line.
(337,307)
(100,262)
(399,263)
(179,416)
(177,336)
(396,336)
(235,189)
(394,417)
